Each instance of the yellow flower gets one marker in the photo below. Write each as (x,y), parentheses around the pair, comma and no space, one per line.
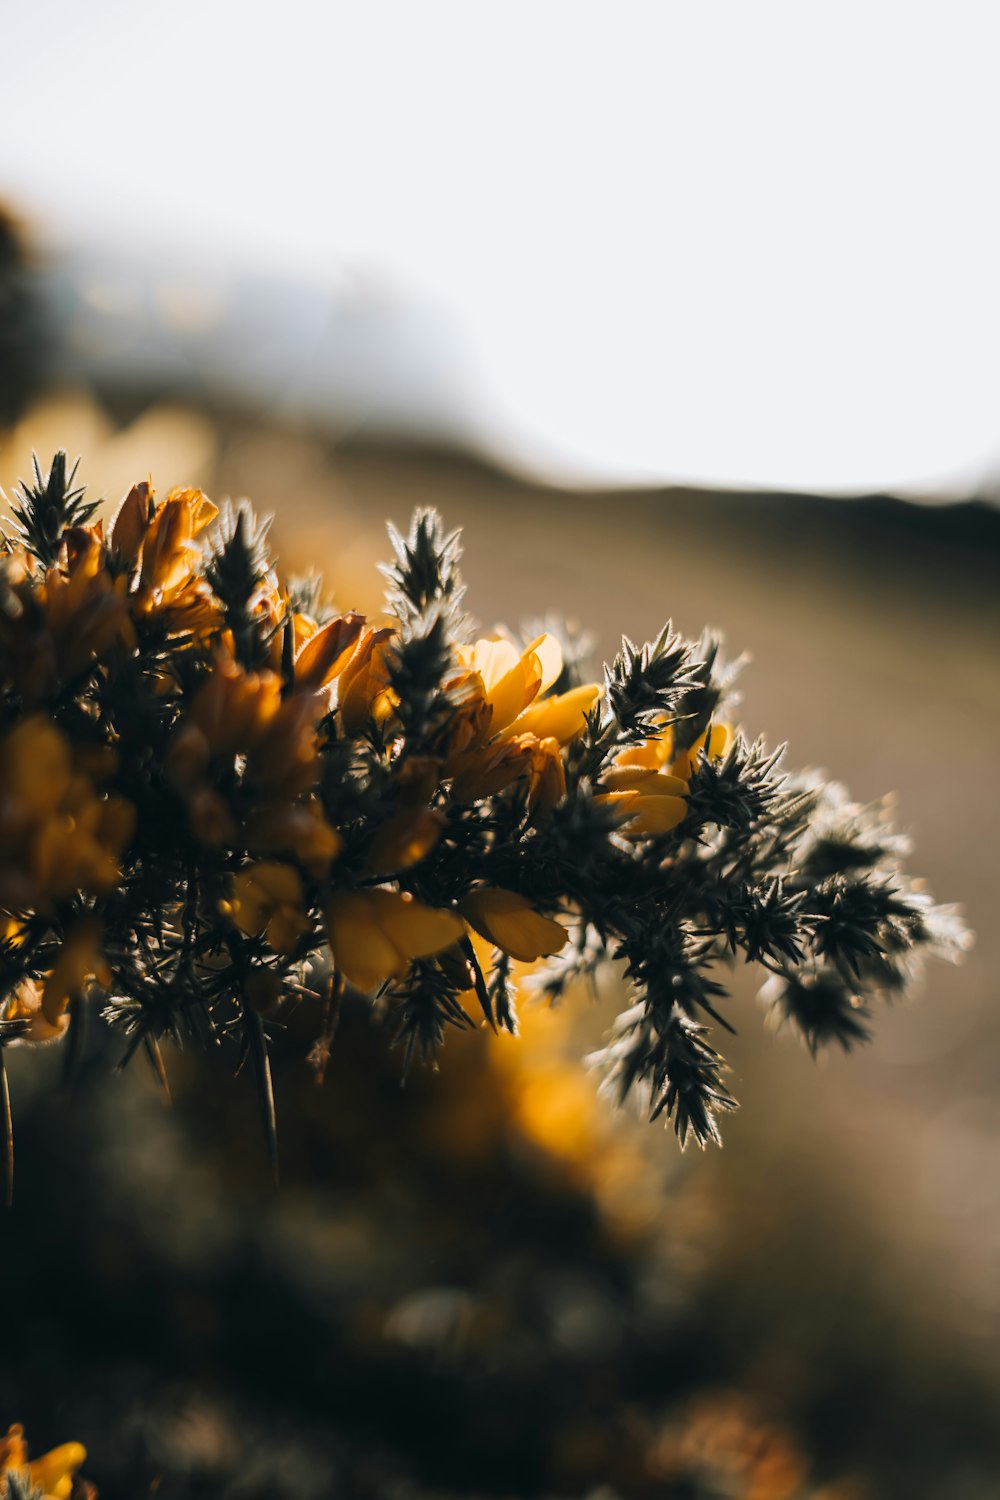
(11,930)
(229,714)
(364,691)
(510,679)
(210,817)
(374,935)
(284,761)
(648,783)
(327,651)
(405,839)
(233,707)
(85,609)
(240,712)
(268,897)
(547,776)
(511,922)
(654,801)
(169,551)
(170,585)
(561,718)
(54,626)
(654,753)
(59,834)
(297,830)
(129,527)
(503,720)
(79,844)
(53,1473)
(486,769)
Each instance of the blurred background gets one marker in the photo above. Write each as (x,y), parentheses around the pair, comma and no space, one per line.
(685,312)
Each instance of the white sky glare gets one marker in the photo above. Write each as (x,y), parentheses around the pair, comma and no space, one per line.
(743,243)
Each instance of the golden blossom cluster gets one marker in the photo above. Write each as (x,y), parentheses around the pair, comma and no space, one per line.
(219,796)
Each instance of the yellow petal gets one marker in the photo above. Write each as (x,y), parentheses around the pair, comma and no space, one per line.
(131,520)
(620,802)
(279,882)
(285,928)
(53,1472)
(246,908)
(722,737)
(561,718)
(493,660)
(547,781)
(415,930)
(514,692)
(511,922)
(327,651)
(640,779)
(655,815)
(269,896)
(13,1449)
(298,830)
(364,680)
(361,951)
(650,754)
(714,742)
(550,657)
(405,839)
(375,934)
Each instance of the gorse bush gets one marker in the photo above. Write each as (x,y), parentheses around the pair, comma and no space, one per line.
(219,798)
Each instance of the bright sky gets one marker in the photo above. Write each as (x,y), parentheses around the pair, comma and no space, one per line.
(753,243)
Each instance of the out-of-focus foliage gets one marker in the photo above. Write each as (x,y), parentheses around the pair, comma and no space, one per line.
(222,799)
(466,1288)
